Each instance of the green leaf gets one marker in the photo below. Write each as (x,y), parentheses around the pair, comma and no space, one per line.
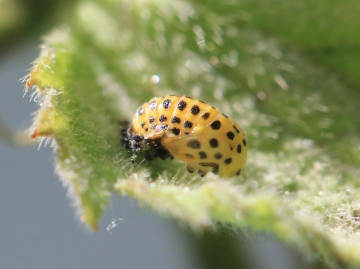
(325,29)
(301,121)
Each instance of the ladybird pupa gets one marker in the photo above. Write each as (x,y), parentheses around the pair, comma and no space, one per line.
(191,131)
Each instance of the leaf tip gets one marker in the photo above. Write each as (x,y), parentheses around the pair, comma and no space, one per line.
(91,224)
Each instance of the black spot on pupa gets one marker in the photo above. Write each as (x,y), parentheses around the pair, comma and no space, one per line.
(175,131)
(187,133)
(190,169)
(215,125)
(228,161)
(218,156)
(146,129)
(187,124)
(152,105)
(214,143)
(166,103)
(238,149)
(140,111)
(164,127)
(175,120)
(189,156)
(230,135)
(162,118)
(208,164)
(238,172)
(153,126)
(225,116)
(202,155)
(236,129)
(142,124)
(151,119)
(215,170)
(181,105)
(244,142)
(206,116)
(194,144)
(195,110)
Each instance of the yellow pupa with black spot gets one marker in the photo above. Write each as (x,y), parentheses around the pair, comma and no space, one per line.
(193,132)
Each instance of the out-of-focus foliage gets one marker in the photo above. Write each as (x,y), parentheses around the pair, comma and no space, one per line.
(22,18)
(326,30)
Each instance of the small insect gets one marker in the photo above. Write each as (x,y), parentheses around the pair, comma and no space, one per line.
(191,131)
